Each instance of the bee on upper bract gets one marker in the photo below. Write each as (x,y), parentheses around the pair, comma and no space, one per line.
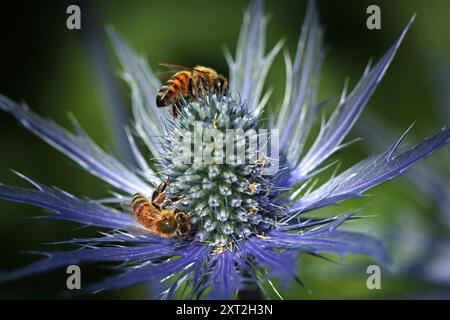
(155,216)
(189,83)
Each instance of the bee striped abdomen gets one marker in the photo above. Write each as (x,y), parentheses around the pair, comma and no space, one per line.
(172,89)
(140,204)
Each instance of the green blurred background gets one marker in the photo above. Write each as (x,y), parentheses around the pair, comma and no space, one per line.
(51,68)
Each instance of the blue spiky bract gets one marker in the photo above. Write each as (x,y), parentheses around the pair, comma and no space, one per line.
(230,247)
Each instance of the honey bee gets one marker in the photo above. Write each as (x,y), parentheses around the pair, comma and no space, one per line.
(155,216)
(189,83)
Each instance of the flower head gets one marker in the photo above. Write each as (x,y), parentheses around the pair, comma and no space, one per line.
(246,211)
(228,197)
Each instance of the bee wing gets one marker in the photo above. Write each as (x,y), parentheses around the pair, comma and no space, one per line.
(165,74)
(177,67)
(137,230)
(126,206)
(172,69)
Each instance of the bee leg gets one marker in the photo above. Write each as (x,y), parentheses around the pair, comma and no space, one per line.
(159,194)
(191,88)
(221,85)
(159,200)
(162,187)
(201,85)
(172,201)
(175,110)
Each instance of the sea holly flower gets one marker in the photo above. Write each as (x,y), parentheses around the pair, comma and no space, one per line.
(248,224)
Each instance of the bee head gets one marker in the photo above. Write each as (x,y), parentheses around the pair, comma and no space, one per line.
(182,221)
